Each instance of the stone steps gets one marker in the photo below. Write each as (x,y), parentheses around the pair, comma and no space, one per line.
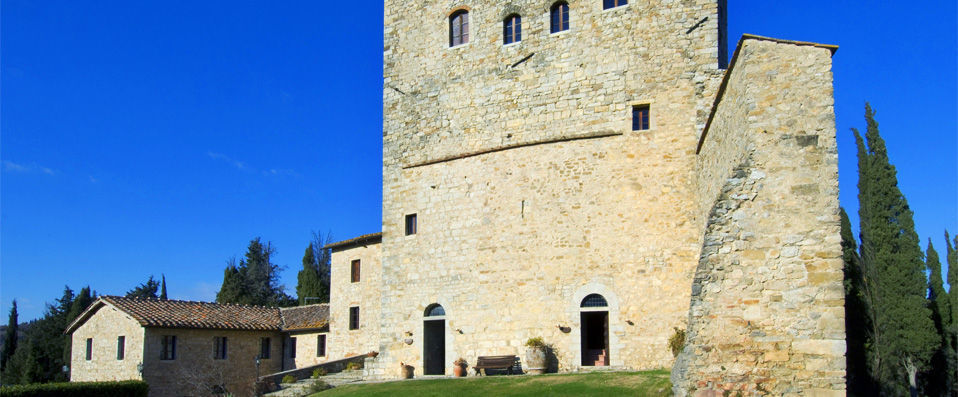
(303,387)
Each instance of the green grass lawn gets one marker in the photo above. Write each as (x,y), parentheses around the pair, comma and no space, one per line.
(647,383)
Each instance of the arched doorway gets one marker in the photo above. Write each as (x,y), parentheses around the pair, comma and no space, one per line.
(434,340)
(594,321)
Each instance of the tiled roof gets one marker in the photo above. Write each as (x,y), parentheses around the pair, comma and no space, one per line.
(305,317)
(188,314)
(371,238)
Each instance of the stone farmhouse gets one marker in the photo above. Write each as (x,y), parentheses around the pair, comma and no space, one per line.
(193,348)
(597,173)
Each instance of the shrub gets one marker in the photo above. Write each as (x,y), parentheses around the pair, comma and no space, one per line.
(319,372)
(353,365)
(288,379)
(319,386)
(460,362)
(536,343)
(677,341)
(134,388)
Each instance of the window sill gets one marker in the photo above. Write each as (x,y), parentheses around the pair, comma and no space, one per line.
(621,7)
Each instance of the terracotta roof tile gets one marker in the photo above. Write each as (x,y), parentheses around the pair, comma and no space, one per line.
(305,317)
(188,314)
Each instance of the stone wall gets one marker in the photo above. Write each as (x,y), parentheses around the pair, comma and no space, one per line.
(194,371)
(307,343)
(767,308)
(343,342)
(104,327)
(530,188)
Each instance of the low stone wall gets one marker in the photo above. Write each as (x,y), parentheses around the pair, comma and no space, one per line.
(271,382)
(767,307)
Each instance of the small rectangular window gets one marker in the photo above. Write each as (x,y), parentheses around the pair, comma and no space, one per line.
(264,348)
(120,347)
(219,348)
(320,345)
(168,351)
(89,349)
(292,347)
(411,224)
(354,271)
(607,4)
(354,317)
(640,117)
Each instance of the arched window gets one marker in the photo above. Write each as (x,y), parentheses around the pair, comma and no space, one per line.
(559,17)
(459,28)
(435,310)
(512,29)
(594,300)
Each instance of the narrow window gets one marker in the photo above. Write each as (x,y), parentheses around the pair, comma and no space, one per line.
(512,29)
(411,224)
(354,271)
(607,4)
(354,317)
(264,348)
(169,348)
(559,17)
(292,347)
(640,117)
(321,345)
(459,28)
(219,348)
(89,349)
(120,347)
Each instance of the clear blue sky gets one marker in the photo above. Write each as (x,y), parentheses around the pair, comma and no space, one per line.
(141,138)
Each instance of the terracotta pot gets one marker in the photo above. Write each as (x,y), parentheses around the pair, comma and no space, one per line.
(459,370)
(407,371)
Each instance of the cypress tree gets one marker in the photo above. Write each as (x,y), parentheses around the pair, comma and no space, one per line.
(233,289)
(323,263)
(937,380)
(857,318)
(163,287)
(904,334)
(9,338)
(308,283)
(952,258)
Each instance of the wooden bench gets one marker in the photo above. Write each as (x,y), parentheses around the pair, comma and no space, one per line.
(495,362)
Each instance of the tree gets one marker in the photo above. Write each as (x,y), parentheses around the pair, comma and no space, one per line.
(903,332)
(146,290)
(9,338)
(163,288)
(952,258)
(313,280)
(938,380)
(857,315)
(255,281)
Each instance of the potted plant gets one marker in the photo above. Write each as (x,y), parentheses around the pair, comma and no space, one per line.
(459,367)
(535,356)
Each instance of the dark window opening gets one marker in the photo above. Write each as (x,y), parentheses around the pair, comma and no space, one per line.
(89,349)
(512,29)
(354,271)
(120,347)
(264,348)
(219,348)
(292,347)
(320,345)
(169,348)
(640,118)
(354,317)
(435,310)
(411,225)
(607,4)
(459,28)
(559,17)
(594,300)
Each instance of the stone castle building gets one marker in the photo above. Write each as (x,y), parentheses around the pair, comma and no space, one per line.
(597,174)
(593,172)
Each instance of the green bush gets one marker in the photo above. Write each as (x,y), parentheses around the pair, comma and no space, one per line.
(536,343)
(319,386)
(288,379)
(319,372)
(677,341)
(132,388)
(353,365)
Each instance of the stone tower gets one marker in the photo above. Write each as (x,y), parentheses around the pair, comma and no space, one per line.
(515,184)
